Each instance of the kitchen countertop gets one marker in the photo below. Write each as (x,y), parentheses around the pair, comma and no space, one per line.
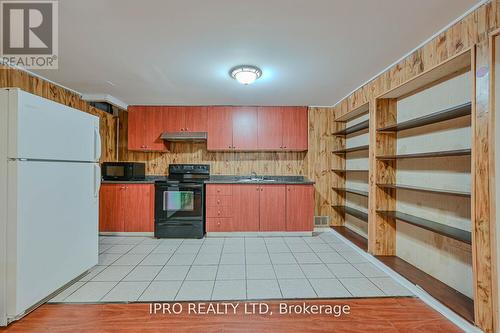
(278,180)
(148,180)
(226,179)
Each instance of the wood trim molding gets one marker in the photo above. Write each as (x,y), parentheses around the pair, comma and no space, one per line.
(493,190)
(481,202)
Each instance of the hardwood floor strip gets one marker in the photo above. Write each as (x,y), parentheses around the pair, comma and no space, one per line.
(366,315)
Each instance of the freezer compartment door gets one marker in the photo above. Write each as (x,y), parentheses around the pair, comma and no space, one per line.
(52,228)
(43,129)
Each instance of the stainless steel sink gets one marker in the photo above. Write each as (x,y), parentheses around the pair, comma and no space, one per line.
(252,180)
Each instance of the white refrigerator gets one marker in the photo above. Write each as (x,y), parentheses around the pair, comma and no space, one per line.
(49,183)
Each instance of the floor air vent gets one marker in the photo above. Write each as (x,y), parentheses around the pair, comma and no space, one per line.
(321,221)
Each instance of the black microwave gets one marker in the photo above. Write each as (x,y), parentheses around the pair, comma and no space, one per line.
(123,171)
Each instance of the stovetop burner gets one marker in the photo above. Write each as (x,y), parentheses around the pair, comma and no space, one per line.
(188,172)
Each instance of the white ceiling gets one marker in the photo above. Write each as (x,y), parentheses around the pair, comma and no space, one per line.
(179,52)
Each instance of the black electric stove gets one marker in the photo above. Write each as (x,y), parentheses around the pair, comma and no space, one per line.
(180,202)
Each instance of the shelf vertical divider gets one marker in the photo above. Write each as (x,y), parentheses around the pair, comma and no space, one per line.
(338,162)
(382,229)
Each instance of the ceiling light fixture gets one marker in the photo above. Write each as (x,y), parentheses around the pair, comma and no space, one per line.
(245,74)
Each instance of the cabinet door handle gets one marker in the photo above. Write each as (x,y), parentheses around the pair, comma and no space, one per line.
(186,129)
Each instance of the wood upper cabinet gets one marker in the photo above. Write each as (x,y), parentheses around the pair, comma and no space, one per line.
(126,208)
(196,118)
(244,128)
(185,118)
(220,128)
(174,119)
(145,125)
(246,202)
(295,128)
(136,128)
(270,128)
(299,207)
(272,207)
(228,127)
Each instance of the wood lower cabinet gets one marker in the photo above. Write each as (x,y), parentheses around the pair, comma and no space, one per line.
(223,224)
(126,208)
(246,207)
(299,208)
(111,212)
(255,207)
(272,208)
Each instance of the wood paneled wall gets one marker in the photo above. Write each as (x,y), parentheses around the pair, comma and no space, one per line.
(471,31)
(13,78)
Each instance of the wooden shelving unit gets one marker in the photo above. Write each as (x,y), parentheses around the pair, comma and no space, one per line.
(445,153)
(353,124)
(385,211)
(349,170)
(425,189)
(351,150)
(354,212)
(353,129)
(442,229)
(350,190)
(448,114)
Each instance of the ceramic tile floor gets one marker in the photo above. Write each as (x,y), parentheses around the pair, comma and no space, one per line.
(146,269)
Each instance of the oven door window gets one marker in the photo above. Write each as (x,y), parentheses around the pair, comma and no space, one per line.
(178,201)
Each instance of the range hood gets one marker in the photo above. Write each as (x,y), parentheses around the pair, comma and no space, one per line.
(184,136)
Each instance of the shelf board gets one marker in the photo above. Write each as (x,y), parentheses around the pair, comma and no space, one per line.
(354,113)
(349,170)
(425,189)
(354,212)
(355,238)
(447,114)
(444,153)
(350,190)
(354,128)
(450,297)
(452,66)
(451,232)
(350,150)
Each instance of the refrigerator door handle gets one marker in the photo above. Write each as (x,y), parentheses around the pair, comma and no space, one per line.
(97,180)
(97,144)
